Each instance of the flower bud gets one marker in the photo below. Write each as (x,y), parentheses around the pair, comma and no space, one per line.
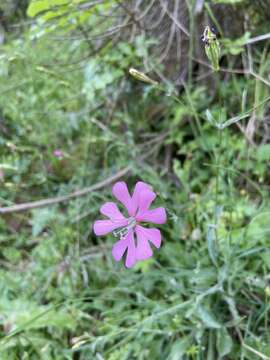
(212,47)
(142,77)
(267,291)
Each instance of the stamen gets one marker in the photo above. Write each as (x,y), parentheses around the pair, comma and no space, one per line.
(131,222)
(121,233)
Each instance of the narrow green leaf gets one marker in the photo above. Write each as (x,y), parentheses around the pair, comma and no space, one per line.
(224,343)
(38,6)
(263,152)
(208,318)
(179,348)
(212,243)
(211,346)
(210,117)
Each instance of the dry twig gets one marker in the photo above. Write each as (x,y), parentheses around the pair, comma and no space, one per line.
(56,200)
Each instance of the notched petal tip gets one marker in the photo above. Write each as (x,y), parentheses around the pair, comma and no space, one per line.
(155,216)
(130,265)
(117,252)
(121,193)
(145,199)
(141,256)
(144,236)
(119,184)
(163,215)
(125,245)
(110,209)
(152,234)
(141,185)
(97,228)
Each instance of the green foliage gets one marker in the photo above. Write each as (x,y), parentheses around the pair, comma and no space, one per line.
(62,295)
(224,343)
(235,46)
(39,6)
(66,15)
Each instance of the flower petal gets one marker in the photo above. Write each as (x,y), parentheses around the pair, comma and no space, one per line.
(151,234)
(156,216)
(120,191)
(139,187)
(111,210)
(143,249)
(103,227)
(119,248)
(145,199)
(131,251)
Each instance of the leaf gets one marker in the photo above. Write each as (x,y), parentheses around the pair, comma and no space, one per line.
(211,346)
(39,6)
(179,349)
(26,315)
(263,152)
(41,218)
(211,243)
(234,120)
(210,118)
(208,318)
(12,254)
(224,343)
(246,114)
(236,46)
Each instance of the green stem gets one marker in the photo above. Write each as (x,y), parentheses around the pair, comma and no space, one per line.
(190,6)
(196,131)
(197,127)
(218,158)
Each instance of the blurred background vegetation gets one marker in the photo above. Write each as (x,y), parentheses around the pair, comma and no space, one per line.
(72,117)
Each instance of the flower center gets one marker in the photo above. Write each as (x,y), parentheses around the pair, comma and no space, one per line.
(131,222)
(124,230)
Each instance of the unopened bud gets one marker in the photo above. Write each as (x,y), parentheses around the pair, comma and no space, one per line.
(267,291)
(212,47)
(142,77)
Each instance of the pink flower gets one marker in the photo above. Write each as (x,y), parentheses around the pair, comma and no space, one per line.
(130,227)
(58,153)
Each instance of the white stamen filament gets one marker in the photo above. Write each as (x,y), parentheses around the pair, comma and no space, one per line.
(123,231)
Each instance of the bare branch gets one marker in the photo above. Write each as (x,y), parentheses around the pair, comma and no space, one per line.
(56,200)
(174,19)
(257,39)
